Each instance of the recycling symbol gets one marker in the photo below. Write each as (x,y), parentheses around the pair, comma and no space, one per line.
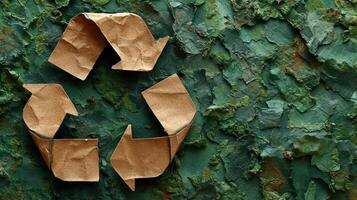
(76,52)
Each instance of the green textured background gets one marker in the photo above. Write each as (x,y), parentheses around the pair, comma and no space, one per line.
(274,83)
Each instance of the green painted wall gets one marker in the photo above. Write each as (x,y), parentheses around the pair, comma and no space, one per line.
(274,83)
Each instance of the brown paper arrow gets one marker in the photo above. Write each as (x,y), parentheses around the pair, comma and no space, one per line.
(68,159)
(47,108)
(87,34)
(149,157)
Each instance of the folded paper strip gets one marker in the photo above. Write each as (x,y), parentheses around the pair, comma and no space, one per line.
(149,157)
(68,159)
(87,35)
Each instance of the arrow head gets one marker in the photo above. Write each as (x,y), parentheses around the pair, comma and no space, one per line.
(117,159)
(140,158)
(46,108)
(33,88)
(144,59)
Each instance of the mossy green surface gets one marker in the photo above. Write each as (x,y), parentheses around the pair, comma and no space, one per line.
(274,83)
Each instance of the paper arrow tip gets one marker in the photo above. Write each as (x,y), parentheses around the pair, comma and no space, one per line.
(130,183)
(54,91)
(33,88)
(127,135)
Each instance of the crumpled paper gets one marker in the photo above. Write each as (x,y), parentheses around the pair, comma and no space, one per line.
(149,157)
(68,159)
(46,109)
(87,35)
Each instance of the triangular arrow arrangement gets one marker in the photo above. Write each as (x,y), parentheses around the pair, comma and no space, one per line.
(87,35)
(76,53)
(69,159)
